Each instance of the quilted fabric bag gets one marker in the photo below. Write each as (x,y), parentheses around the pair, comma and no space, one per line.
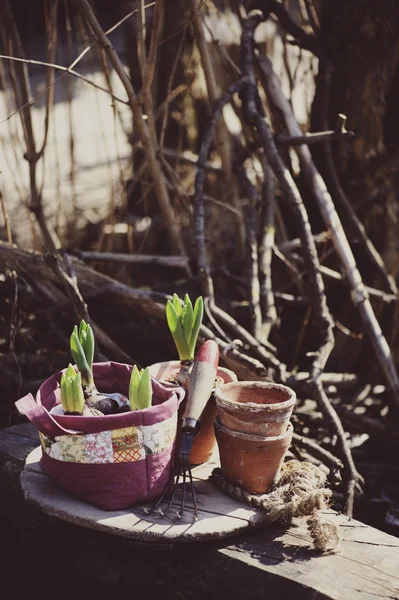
(114,461)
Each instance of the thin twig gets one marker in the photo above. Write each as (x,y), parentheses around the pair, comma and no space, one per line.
(319,238)
(200,175)
(69,283)
(265,249)
(314,138)
(64,269)
(252,253)
(51,24)
(168,98)
(147,64)
(351,474)
(246,367)
(40,63)
(70,105)
(302,39)
(317,451)
(341,381)
(154,43)
(258,349)
(335,275)
(144,259)
(141,35)
(108,343)
(331,274)
(191,159)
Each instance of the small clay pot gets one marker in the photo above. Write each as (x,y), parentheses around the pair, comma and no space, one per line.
(255,407)
(205,442)
(251,462)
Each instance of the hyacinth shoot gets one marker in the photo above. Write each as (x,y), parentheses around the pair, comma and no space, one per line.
(140,389)
(184,323)
(82,350)
(72,397)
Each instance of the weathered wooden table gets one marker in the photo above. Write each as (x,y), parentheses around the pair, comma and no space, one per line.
(271,561)
(219,515)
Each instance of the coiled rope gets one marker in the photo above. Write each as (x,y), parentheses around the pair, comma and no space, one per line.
(299,492)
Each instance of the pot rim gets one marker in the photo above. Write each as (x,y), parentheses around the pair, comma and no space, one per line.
(176,363)
(254,406)
(254,438)
(51,386)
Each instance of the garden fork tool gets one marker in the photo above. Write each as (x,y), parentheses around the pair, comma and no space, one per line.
(202,381)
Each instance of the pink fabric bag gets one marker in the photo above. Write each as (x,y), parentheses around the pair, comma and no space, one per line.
(114,461)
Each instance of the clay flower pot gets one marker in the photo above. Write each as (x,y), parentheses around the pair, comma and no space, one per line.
(205,441)
(251,462)
(255,407)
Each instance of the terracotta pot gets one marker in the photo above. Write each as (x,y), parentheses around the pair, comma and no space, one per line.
(255,407)
(205,441)
(251,462)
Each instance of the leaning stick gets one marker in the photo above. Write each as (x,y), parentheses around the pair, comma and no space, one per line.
(268,307)
(222,133)
(252,253)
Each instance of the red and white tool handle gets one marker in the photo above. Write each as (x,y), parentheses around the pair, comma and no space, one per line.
(202,381)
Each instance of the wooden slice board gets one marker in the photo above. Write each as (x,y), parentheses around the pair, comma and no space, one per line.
(219,515)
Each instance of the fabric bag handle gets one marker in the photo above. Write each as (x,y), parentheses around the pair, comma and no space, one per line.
(41,418)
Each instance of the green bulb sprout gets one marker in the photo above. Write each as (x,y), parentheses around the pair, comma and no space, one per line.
(184,323)
(140,389)
(72,397)
(79,394)
(82,350)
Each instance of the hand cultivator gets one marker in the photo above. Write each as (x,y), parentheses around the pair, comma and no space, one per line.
(202,382)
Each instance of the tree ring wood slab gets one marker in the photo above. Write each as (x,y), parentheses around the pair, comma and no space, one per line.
(219,515)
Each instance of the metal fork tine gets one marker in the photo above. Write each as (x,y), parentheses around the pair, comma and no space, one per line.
(193,494)
(183,497)
(149,511)
(164,512)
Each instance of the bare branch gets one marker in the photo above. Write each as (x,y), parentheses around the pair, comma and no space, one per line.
(143,259)
(314,138)
(41,63)
(269,313)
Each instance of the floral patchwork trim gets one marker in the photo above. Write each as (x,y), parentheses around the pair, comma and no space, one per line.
(128,444)
(98,447)
(157,439)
